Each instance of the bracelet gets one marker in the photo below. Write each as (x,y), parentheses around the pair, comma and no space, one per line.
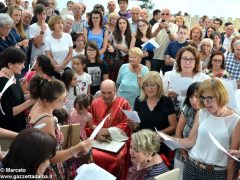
(41,32)
(71,151)
(168,32)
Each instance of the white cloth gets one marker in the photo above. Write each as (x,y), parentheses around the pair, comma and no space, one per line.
(221,128)
(83,81)
(34,31)
(59,47)
(163,40)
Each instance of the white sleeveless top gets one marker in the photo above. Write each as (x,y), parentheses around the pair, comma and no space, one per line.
(221,128)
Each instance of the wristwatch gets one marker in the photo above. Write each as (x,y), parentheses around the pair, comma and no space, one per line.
(168,31)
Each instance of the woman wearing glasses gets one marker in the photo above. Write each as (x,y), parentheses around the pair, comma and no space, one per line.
(50,95)
(206,161)
(155,109)
(187,68)
(216,66)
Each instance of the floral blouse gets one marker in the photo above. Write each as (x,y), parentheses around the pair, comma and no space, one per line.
(220,74)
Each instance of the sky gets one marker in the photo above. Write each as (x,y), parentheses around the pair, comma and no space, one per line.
(218,8)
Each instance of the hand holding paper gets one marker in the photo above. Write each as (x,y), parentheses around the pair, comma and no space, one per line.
(132,115)
(215,141)
(97,129)
(169,142)
(150,45)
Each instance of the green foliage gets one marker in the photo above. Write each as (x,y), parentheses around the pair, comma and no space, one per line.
(147,4)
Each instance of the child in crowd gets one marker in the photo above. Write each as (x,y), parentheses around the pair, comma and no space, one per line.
(96,67)
(83,79)
(62,116)
(79,114)
(69,77)
(42,67)
(79,43)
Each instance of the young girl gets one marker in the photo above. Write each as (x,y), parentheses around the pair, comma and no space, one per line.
(83,79)
(185,123)
(96,67)
(79,43)
(69,77)
(79,114)
(42,67)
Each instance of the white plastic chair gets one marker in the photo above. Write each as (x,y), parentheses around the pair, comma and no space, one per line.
(170,175)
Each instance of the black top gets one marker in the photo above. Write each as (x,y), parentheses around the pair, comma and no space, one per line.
(152,21)
(12,97)
(138,44)
(158,117)
(96,70)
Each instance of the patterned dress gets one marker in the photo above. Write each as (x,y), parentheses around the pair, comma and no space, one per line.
(55,171)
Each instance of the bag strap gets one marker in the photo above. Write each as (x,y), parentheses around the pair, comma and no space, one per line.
(40,117)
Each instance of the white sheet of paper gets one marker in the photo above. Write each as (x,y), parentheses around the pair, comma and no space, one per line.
(29,70)
(93,171)
(97,129)
(132,115)
(9,83)
(180,84)
(231,86)
(169,142)
(215,141)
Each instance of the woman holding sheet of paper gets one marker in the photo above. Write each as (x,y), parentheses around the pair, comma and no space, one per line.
(206,160)
(187,70)
(12,102)
(143,35)
(51,94)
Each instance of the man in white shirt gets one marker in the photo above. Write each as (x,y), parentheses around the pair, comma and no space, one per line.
(164,31)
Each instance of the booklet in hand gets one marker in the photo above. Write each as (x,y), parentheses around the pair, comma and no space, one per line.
(150,45)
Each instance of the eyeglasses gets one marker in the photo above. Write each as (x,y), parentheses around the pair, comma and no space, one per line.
(217,61)
(145,86)
(190,60)
(208,99)
(61,101)
(6,28)
(163,14)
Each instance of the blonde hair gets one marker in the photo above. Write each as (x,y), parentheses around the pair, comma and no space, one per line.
(137,51)
(150,78)
(53,20)
(146,141)
(112,15)
(216,87)
(19,26)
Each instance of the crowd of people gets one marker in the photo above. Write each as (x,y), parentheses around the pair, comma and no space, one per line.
(77,67)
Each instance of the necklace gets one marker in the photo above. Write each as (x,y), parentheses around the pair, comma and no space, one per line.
(223,113)
(6,72)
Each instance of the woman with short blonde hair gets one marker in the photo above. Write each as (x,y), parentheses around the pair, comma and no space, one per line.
(130,76)
(146,161)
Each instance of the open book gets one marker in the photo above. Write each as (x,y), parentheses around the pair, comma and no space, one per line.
(93,171)
(112,146)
